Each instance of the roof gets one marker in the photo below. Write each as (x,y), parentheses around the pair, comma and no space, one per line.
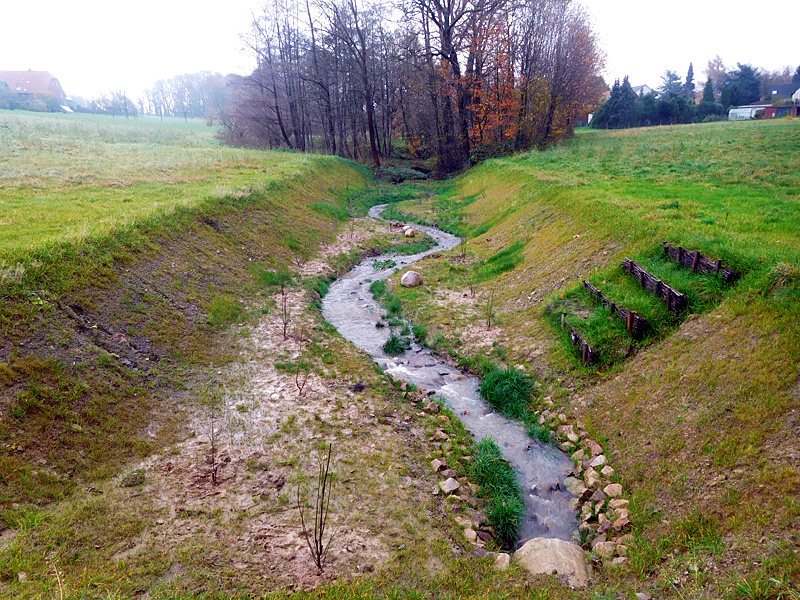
(31,82)
(784,90)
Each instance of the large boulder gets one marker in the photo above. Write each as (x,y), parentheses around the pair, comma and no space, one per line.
(550,556)
(411,279)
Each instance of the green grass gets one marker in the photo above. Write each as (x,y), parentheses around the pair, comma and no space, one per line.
(707,392)
(508,390)
(497,264)
(498,483)
(396,345)
(67,180)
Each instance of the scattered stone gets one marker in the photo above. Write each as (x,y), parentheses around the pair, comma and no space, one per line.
(598,540)
(621,523)
(441,435)
(471,535)
(437,465)
(591,478)
(586,512)
(598,461)
(593,447)
(409,233)
(642,596)
(411,279)
(625,539)
(619,561)
(622,550)
(449,485)
(605,549)
(547,556)
(463,522)
(574,486)
(566,447)
(480,552)
(22,577)
(607,471)
(502,561)
(598,496)
(449,473)
(621,512)
(618,503)
(484,535)
(613,489)
(579,456)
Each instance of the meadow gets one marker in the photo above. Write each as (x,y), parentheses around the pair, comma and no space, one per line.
(72,177)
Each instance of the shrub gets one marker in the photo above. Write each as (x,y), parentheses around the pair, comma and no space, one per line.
(508,390)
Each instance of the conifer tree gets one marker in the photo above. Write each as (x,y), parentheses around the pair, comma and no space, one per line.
(688,87)
(708,91)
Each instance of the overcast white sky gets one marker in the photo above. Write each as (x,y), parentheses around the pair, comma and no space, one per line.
(95,46)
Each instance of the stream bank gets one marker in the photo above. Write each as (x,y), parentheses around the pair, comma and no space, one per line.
(542,469)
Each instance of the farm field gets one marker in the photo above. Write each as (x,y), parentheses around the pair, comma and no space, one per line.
(160,298)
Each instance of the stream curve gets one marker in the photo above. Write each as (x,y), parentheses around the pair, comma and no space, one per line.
(541,469)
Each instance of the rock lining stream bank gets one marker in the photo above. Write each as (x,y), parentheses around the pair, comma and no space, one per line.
(542,469)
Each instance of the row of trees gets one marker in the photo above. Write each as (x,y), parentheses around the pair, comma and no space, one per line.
(192,95)
(448,79)
(677,101)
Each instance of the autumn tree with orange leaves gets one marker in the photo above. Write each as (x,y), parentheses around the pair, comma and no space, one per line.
(449,83)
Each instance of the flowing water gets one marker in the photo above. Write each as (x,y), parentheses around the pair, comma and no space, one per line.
(541,469)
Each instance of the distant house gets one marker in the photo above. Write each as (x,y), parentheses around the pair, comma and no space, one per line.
(782,91)
(642,90)
(33,85)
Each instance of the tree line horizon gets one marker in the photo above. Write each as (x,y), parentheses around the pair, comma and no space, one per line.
(677,102)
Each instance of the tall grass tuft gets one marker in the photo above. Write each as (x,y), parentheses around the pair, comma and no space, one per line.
(508,390)
(498,481)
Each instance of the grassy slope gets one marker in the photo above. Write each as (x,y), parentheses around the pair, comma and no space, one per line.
(96,333)
(702,422)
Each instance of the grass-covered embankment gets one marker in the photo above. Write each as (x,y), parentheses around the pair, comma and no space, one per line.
(100,329)
(699,418)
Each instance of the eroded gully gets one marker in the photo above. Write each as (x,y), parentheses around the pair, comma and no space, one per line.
(541,469)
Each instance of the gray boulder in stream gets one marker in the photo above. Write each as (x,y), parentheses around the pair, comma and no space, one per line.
(411,279)
(549,556)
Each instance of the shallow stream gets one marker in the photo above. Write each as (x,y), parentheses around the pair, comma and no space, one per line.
(350,307)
